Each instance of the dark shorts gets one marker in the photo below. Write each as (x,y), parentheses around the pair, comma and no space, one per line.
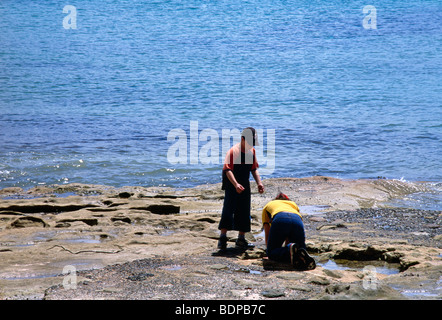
(285,226)
(236,209)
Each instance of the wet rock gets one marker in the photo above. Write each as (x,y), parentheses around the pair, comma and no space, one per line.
(140,276)
(361,254)
(3,214)
(211,234)
(291,276)
(407,262)
(326,227)
(273,293)
(385,234)
(339,223)
(359,291)
(247,283)
(11,191)
(219,267)
(299,287)
(318,247)
(28,221)
(337,288)
(257,253)
(165,196)
(121,219)
(317,219)
(160,208)
(62,225)
(319,280)
(207,219)
(125,195)
(31,207)
(276,266)
(333,273)
(392,256)
(418,283)
(88,221)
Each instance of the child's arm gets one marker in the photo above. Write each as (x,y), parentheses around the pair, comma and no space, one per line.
(239,188)
(257,178)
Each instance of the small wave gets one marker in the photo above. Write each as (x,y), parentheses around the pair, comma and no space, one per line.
(424,196)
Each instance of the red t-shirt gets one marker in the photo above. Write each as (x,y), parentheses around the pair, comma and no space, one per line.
(240,163)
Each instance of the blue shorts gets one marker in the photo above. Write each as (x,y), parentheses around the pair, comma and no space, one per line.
(285,226)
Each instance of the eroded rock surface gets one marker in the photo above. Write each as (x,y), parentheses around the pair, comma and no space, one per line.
(156,243)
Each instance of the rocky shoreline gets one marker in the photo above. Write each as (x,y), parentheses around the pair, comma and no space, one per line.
(160,243)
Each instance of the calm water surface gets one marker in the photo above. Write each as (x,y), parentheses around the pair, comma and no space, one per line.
(95,104)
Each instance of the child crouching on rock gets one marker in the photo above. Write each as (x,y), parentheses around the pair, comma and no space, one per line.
(282,222)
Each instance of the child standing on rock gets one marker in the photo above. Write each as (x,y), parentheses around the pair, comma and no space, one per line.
(239,162)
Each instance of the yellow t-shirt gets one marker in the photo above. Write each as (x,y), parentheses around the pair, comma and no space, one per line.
(275,206)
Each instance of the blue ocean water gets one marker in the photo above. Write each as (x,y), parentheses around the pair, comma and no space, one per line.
(95,104)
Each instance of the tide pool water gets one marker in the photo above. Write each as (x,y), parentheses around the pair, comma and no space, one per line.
(90,93)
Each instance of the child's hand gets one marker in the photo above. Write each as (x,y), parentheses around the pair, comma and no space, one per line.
(239,188)
(260,188)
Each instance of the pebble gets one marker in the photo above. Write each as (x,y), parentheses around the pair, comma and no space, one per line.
(299,287)
(319,280)
(291,276)
(218,266)
(273,293)
(333,273)
(317,219)
(140,276)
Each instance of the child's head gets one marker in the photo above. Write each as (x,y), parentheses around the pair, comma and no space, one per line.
(250,135)
(281,196)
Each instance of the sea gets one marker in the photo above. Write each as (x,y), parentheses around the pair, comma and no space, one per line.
(152,93)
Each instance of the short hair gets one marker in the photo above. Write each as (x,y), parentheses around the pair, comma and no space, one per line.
(282,196)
